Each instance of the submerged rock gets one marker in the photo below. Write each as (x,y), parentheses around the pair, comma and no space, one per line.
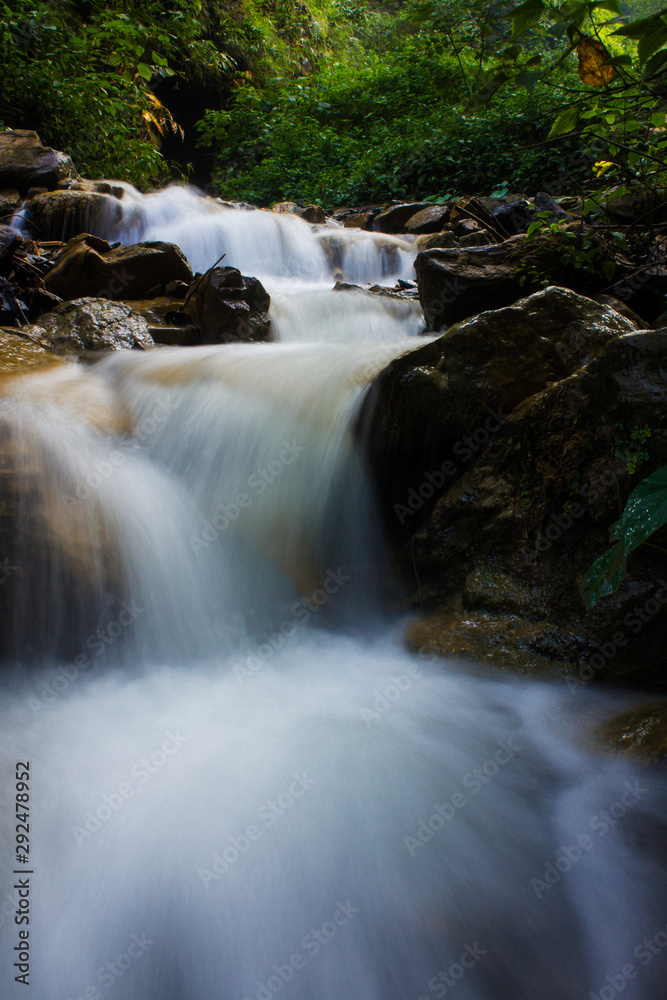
(88,266)
(20,354)
(228,306)
(90,324)
(59,215)
(641,733)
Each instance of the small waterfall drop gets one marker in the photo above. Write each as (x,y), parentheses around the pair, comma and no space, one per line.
(242,785)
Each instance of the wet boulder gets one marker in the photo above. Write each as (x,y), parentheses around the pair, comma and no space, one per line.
(394,218)
(498,564)
(431,219)
(461,282)
(26,163)
(59,215)
(423,407)
(228,306)
(90,324)
(10,201)
(90,267)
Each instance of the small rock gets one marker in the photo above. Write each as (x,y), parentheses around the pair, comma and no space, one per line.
(90,324)
(428,220)
(228,307)
(313,213)
(393,219)
(359,220)
(545,203)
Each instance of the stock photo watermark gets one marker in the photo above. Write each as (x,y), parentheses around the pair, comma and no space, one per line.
(139,773)
(600,824)
(446,980)
(258,483)
(268,815)
(312,943)
(98,642)
(302,611)
(109,973)
(464,449)
(474,781)
(635,620)
(645,952)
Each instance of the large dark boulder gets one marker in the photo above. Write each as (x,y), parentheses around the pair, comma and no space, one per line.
(228,306)
(422,409)
(26,163)
(498,564)
(90,267)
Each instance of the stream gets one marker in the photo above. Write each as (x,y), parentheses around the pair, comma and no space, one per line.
(241,784)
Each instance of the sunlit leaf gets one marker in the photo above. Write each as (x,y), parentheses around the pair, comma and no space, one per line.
(565,123)
(593,63)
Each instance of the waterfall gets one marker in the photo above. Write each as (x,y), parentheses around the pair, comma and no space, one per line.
(241,784)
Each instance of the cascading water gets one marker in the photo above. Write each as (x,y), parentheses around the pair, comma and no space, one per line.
(241,785)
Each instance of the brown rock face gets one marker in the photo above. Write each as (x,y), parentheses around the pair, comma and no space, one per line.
(228,307)
(26,163)
(119,273)
(428,220)
(394,218)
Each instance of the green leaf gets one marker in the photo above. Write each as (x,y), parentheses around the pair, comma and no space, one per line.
(612,5)
(623,60)
(637,29)
(525,16)
(609,269)
(650,44)
(528,79)
(144,71)
(565,123)
(645,512)
(604,576)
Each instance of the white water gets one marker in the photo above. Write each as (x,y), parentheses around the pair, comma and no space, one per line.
(212,504)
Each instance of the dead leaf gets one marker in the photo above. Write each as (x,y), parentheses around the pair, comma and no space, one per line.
(593,59)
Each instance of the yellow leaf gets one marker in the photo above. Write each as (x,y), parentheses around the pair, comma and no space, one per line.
(602,166)
(593,60)
(151,118)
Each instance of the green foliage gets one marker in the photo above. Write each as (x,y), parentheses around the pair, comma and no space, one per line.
(645,512)
(84,85)
(377,130)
